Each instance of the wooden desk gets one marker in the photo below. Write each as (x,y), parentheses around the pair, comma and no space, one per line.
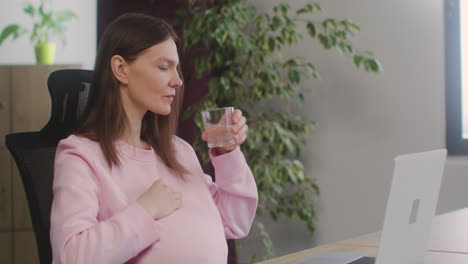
(448,242)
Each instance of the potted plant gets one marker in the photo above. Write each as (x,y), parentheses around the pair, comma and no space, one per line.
(46,26)
(239,51)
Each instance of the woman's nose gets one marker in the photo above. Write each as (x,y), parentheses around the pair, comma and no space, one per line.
(176,81)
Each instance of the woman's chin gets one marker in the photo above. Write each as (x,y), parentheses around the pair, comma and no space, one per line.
(163,112)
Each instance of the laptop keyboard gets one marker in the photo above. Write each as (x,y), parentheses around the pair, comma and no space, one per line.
(363,260)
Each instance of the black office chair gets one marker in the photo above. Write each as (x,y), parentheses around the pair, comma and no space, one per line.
(34,152)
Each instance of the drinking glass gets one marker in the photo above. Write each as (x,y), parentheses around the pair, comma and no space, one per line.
(218,124)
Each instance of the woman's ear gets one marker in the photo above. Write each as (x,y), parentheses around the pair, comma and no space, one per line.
(119,69)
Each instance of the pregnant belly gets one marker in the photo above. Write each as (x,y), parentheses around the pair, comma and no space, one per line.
(187,239)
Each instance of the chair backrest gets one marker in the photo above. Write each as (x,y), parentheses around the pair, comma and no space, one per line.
(34,152)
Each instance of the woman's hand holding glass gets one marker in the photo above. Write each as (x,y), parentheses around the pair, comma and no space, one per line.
(239,130)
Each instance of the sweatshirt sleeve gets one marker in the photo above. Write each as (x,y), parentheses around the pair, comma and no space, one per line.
(234,192)
(76,234)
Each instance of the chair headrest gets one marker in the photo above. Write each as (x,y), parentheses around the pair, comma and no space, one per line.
(69,91)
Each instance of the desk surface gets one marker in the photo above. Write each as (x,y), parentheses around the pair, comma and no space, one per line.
(448,242)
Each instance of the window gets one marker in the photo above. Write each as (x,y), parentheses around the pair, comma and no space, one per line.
(456,74)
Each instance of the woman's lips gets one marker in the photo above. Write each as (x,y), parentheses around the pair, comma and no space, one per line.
(170,97)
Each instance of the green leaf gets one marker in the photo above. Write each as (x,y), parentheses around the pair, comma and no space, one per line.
(284,8)
(276,23)
(357,60)
(309,8)
(355,27)
(374,66)
(311,29)
(329,22)
(332,41)
(340,34)
(301,99)
(225,83)
(41,9)
(33,35)
(326,41)
(294,76)
(29,9)
(277,188)
(313,71)
(317,7)
(64,15)
(271,44)
(367,65)
(302,10)
(11,30)
(342,48)
(291,62)
(220,34)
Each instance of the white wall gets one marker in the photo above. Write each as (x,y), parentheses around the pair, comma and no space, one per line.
(81,35)
(364,120)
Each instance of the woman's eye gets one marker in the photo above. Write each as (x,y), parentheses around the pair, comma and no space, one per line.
(163,67)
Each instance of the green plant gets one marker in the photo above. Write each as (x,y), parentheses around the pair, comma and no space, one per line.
(240,51)
(47,24)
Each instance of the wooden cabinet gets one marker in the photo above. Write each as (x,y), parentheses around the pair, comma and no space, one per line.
(24,106)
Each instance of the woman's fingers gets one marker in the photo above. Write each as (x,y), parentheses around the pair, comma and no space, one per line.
(241,139)
(241,134)
(237,114)
(239,124)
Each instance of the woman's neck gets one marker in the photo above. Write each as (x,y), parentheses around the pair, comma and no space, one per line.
(132,133)
(135,140)
(134,116)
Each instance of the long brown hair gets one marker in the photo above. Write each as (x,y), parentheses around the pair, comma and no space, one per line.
(104,118)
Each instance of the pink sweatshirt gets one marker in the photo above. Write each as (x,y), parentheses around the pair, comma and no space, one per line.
(95,218)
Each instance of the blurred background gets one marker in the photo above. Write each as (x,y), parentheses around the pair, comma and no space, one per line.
(363,120)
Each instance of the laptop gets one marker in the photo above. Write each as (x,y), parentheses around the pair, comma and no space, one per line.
(408,218)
